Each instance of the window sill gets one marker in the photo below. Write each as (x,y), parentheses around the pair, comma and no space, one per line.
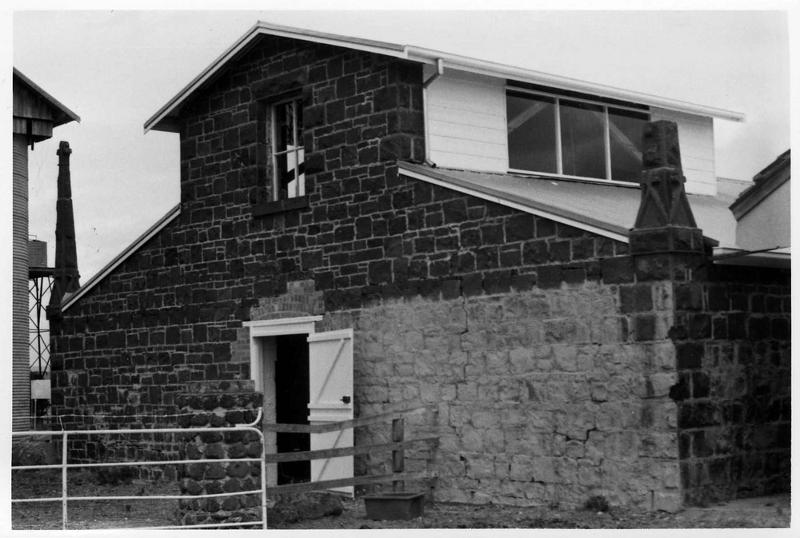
(583,179)
(280,206)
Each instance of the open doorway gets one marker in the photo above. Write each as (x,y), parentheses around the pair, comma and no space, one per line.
(291,403)
(306,377)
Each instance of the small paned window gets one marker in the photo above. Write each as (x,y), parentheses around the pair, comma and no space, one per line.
(288,154)
(573,137)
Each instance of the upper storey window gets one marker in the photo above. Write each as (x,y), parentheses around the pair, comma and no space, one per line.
(572,136)
(288,154)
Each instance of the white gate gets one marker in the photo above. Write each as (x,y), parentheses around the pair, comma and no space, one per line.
(64,466)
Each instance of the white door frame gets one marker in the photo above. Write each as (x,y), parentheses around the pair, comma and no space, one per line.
(273,327)
(262,366)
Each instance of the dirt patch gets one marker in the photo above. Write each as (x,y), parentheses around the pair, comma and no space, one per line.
(461,516)
(89,514)
(106,514)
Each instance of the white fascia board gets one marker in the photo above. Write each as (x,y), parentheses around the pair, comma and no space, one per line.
(492,69)
(434,57)
(515,205)
(121,257)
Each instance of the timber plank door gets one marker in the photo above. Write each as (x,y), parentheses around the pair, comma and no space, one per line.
(330,368)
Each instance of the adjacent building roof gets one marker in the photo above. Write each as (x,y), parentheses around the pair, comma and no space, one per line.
(61,114)
(602,207)
(163,119)
(765,183)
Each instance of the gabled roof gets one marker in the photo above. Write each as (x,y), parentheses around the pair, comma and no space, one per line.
(61,114)
(765,183)
(163,119)
(604,208)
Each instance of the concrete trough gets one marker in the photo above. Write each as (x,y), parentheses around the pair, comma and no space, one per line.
(394,506)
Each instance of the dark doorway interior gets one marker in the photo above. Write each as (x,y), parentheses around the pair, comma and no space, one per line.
(291,403)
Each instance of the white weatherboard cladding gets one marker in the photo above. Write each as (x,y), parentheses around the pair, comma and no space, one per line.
(467,122)
(330,369)
(696,136)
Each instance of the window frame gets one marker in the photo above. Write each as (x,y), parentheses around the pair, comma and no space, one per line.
(297,101)
(557,99)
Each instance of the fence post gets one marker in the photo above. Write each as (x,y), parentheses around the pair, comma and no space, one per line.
(398,455)
(64,480)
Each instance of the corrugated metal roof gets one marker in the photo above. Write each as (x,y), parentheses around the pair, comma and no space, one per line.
(161,120)
(608,208)
(62,113)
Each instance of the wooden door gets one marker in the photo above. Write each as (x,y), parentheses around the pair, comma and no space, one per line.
(330,369)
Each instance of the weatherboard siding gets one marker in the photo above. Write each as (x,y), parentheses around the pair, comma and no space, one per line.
(696,135)
(467,122)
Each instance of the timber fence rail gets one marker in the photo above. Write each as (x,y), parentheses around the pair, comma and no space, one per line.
(64,498)
(397,446)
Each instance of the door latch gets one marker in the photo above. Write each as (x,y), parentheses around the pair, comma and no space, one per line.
(345,399)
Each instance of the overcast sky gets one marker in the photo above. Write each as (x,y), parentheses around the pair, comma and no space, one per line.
(115,69)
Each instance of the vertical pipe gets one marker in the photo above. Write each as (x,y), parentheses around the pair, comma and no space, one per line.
(64,480)
(425,119)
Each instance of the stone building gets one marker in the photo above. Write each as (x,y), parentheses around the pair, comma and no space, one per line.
(365,224)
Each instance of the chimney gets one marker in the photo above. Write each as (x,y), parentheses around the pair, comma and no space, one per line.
(665,240)
(66,264)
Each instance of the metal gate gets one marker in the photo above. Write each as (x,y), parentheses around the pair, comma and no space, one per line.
(64,436)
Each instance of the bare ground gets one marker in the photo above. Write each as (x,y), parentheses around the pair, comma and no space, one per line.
(453,516)
(753,513)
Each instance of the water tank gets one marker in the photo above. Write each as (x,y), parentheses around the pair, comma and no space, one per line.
(37,253)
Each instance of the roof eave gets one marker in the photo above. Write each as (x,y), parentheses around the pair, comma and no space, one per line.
(426,56)
(484,67)
(160,121)
(755,194)
(66,115)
